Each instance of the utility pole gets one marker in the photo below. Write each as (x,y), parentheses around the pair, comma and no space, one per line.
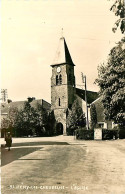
(4,95)
(84,82)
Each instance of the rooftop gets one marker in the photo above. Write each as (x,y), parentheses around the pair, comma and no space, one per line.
(62,55)
(91,96)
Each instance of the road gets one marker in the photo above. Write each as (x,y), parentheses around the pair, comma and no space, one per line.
(63,165)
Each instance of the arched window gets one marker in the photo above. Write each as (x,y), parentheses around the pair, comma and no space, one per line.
(59,102)
(57,80)
(60,79)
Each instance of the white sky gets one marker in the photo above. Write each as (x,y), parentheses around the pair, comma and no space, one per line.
(30,34)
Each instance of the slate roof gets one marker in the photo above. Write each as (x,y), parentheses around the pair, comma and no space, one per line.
(20,105)
(62,55)
(91,96)
(6,106)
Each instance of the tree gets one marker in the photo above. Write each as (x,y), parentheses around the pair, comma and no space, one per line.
(40,121)
(111,80)
(93,114)
(31,121)
(13,111)
(4,123)
(51,122)
(8,123)
(119,9)
(75,117)
(24,120)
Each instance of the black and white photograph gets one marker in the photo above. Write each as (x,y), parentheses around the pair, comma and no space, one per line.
(62,96)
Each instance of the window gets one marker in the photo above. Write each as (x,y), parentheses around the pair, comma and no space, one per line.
(59,102)
(57,80)
(102,125)
(60,79)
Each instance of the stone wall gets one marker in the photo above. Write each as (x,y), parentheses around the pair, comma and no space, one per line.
(57,92)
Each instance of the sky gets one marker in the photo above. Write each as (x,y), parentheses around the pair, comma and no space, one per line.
(30,33)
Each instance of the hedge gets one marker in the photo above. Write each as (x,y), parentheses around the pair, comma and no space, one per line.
(122,133)
(85,134)
(109,134)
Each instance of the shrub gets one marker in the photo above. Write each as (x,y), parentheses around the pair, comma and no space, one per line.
(85,134)
(122,133)
(70,131)
(93,114)
(109,134)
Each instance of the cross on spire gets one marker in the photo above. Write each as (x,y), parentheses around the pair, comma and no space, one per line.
(62,32)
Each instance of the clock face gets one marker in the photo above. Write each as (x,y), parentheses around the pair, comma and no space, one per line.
(58,69)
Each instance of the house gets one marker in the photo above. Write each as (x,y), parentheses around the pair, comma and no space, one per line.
(19,105)
(101,121)
(5,107)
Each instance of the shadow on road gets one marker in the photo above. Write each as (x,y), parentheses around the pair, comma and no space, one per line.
(15,154)
(18,151)
(38,143)
(31,159)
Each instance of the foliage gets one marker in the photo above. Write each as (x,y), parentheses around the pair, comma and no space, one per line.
(122,133)
(4,123)
(23,121)
(31,121)
(85,134)
(12,116)
(109,134)
(93,115)
(40,120)
(70,130)
(118,8)
(9,121)
(111,80)
(51,121)
(75,116)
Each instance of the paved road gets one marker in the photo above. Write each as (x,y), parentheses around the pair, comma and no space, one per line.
(64,166)
(19,150)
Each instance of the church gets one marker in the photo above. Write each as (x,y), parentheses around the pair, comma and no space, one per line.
(63,91)
(63,87)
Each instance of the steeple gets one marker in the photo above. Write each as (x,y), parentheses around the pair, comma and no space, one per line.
(62,55)
(62,85)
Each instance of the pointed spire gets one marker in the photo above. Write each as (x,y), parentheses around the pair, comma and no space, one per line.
(62,55)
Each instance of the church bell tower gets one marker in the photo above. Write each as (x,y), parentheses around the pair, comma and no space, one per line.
(62,85)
